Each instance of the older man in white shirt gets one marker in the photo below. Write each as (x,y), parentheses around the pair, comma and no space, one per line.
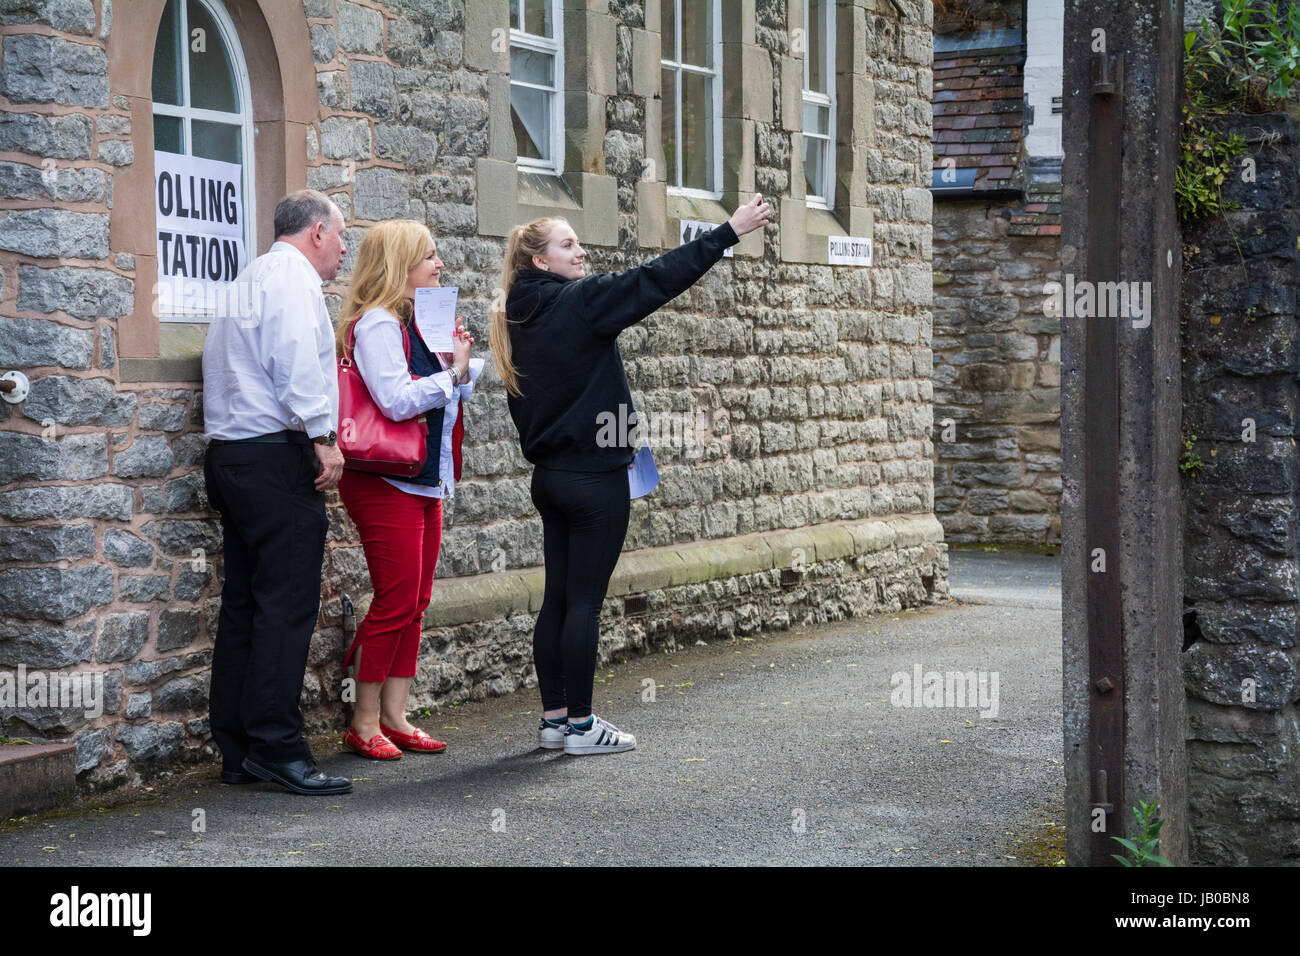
(270,408)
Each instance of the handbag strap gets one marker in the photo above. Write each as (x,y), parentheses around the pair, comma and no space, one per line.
(352,341)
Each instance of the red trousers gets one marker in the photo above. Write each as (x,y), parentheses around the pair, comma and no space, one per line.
(400,534)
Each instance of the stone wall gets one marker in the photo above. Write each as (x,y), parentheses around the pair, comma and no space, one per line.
(997,369)
(1241,592)
(806,388)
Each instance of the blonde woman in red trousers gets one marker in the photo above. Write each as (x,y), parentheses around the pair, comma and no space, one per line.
(399,518)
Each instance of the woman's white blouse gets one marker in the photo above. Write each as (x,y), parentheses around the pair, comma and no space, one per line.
(382,363)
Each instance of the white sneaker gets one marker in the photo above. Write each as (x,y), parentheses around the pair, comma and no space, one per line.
(601,738)
(551,737)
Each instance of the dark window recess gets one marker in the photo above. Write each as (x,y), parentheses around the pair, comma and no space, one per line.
(790,577)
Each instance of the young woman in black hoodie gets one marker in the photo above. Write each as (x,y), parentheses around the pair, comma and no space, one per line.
(554,338)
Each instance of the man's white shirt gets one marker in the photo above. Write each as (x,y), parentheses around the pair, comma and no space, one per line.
(274,368)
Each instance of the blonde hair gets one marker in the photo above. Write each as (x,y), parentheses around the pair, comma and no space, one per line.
(525,242)
(388,253)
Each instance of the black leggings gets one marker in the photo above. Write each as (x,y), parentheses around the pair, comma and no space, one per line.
(584,521)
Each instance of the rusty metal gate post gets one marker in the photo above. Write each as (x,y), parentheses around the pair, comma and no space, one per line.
(1120,415)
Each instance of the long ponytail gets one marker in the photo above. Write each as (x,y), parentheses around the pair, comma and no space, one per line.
(525,242)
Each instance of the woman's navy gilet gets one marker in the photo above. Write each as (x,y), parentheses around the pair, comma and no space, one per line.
(424,363)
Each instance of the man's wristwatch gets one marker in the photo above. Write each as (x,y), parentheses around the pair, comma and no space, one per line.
(329,439)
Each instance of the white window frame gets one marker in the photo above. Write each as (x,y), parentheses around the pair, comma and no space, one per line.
(554,47)
(243,92)
(675,64)
(823,101)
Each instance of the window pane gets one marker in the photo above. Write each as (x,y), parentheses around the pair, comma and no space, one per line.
(167,134)
(697,32)
(537,18)
(668,127)
(530,111)
(817,46)
(697,131)
(212,78)
(166,64)
(530,66)
(814,166)
(515,24)
(667,30)
(217,141)
(816,119)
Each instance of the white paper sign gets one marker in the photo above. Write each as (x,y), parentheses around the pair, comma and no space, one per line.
(848,250)
(692,229)
(199,211)
(435,317)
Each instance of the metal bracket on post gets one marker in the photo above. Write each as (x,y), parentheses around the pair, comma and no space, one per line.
(1102,457)
(1107,78)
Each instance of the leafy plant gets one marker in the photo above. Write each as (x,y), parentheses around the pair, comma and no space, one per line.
(1204,163)
(1190,462)
(1249,64)
(1144,848)
(1263,52)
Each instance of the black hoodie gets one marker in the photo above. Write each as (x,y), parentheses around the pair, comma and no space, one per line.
(563,341)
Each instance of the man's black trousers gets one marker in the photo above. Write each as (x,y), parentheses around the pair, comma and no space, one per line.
(273,520)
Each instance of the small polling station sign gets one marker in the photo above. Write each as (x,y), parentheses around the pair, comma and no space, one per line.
(199,208)
(848,250)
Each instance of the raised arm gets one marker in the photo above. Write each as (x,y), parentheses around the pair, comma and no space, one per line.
(611,303)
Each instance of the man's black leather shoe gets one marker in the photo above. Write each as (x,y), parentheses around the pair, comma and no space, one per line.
(298,776)
(236,777)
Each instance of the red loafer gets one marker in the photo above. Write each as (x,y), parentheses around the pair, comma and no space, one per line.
(377,747)
(418,741)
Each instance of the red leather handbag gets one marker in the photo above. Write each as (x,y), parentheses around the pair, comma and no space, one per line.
(369,439)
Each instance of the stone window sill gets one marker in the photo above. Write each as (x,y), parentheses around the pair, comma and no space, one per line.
(509,196)
(660,213)
(180,356)
(804,229)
